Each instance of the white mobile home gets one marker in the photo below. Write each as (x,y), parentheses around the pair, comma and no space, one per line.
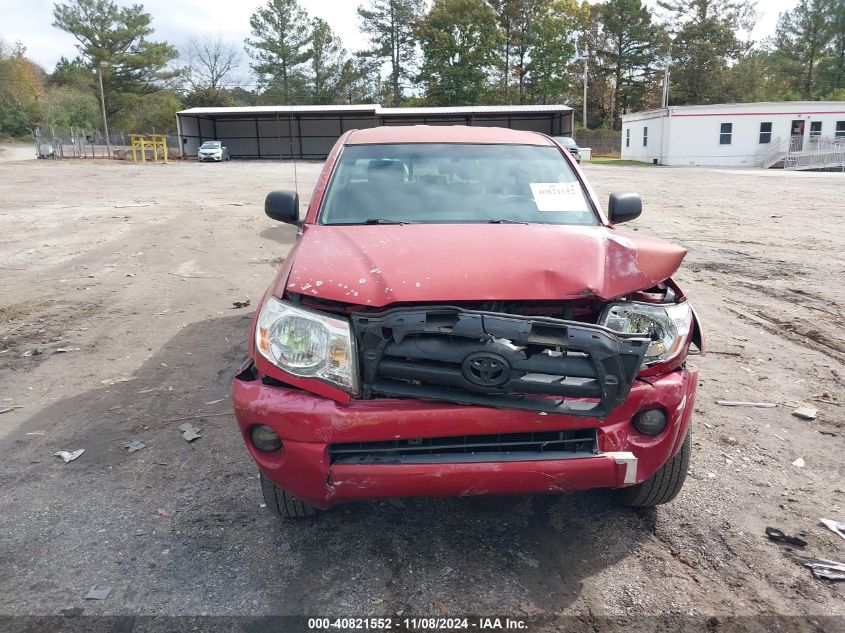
(789,133)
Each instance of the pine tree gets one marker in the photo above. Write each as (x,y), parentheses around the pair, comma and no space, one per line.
(281,35)
(390,26)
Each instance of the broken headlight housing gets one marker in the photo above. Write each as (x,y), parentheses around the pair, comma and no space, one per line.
(667,325)
(307,344)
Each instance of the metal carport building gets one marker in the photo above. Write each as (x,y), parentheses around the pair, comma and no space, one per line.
(309,132)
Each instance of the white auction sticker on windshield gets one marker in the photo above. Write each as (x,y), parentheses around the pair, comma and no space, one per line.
(558,196)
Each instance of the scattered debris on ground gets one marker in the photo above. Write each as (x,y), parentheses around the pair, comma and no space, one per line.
(65,350)
(10,409)
(114,381)
(742,403)
(824,569)
(799,463)
(187,276)
(136,205)
(776,534)
(190,432)
(134,446)
(240,304)
(98,593)
(826,398)
(531,609)
(805,413)
(834,526)
(69,456)
(197,417)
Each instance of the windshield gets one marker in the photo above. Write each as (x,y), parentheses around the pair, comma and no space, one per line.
(211,145)
(451,182)
(566,141)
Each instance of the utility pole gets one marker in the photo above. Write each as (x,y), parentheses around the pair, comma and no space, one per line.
(584,104)
(665,100)
(103,103)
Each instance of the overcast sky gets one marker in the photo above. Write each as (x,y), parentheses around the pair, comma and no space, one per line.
(177,21)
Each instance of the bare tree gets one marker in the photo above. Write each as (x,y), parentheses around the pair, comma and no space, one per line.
(209,63)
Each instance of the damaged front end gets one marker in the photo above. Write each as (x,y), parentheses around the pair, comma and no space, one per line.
(576,358)
(497,360)
(434,399)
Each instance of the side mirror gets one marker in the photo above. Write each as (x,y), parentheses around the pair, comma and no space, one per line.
(624,207)
(282,206)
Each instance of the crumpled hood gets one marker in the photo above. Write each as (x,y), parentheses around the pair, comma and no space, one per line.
(382,264)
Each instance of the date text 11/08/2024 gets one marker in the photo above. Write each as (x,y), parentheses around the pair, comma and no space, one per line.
(417,624)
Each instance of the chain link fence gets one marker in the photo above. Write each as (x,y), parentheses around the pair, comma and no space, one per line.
(603,142)
(80,143)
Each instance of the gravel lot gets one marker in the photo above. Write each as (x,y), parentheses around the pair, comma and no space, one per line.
(134,268)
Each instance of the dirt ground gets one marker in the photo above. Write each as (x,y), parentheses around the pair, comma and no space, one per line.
(133,270)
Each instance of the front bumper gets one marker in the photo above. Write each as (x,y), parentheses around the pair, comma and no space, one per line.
(308,424)
(218,158)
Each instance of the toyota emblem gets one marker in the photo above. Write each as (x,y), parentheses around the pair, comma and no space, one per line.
(483,369)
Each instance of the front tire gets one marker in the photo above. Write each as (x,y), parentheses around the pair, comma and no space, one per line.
(282,503)
(665,484)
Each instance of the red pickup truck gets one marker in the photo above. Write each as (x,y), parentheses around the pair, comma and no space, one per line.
(459,316)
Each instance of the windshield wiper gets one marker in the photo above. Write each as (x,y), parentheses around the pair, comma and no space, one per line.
(507,222)
(383,221)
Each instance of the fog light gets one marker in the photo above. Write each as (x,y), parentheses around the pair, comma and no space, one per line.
(651,422)
(265,439)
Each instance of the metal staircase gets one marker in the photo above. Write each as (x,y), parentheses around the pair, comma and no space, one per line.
(796,153)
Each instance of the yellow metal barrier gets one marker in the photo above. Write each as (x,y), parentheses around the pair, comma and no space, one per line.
(156,143)
(159,142)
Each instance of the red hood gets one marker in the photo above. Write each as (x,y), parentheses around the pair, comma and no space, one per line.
(383,264)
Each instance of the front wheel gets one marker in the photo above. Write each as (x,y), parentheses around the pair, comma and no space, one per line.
(665,484)
(282,503)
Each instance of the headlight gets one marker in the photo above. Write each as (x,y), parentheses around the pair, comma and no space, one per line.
(668,326)
(307,344)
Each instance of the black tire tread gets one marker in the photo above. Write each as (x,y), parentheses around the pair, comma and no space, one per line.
(283,504)
(665,484)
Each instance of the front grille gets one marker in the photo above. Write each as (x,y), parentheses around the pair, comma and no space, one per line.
(470,448)
(496,360)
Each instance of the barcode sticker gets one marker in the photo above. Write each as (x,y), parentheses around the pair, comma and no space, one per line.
(558,196)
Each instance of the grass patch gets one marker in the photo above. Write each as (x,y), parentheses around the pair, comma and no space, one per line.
(607,160)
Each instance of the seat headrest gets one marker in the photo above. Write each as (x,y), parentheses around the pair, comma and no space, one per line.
(385,169)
